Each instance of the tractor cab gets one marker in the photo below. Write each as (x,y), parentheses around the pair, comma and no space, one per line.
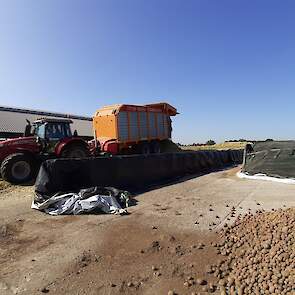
(49,132)
(52,129)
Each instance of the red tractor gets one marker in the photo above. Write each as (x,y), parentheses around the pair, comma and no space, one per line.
(49,138)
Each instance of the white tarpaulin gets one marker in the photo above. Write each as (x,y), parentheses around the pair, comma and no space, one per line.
(261,176)
(77,203)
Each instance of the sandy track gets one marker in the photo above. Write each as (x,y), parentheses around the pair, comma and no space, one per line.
(150,251)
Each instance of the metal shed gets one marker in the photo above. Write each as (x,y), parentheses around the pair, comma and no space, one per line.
(13,121)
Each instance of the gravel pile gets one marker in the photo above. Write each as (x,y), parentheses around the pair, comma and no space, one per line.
(259,254)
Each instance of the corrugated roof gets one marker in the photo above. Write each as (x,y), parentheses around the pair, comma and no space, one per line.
(43,113)
(13,120)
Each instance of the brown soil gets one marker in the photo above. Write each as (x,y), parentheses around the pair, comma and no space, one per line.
(131,258)
(163,245)
(4,185)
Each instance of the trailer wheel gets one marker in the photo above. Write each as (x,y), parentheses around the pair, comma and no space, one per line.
(75,151)
(18,168)
(156,147)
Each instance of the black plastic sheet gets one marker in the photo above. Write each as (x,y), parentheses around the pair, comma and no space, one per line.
(272,158)
(128,172)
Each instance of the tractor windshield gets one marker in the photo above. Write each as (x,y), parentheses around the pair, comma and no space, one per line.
(39,130)
(57,131)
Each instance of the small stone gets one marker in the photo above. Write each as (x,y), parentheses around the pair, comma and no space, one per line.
(130,284)
(171,292)
(45,290)
(172,239)
(201,282)
(205,289)
(267,245)
(155,244)
(154,227)
(211,287)
(186,284)
(3,231)
(285,229)
(113,285)
(230,281)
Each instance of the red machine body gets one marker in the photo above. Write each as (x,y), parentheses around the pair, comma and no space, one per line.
(51,138)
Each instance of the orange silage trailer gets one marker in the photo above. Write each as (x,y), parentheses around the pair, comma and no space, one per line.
(122,128)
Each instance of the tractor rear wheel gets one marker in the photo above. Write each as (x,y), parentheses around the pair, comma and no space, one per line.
(75,151)
(18,168)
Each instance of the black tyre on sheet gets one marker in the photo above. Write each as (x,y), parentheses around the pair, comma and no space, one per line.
(144,148)
(18,168)
(155,147)
(75,151)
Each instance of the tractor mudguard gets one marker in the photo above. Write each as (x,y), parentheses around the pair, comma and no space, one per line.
(62,144)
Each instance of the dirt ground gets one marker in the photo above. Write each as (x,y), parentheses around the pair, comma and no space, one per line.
(165,240)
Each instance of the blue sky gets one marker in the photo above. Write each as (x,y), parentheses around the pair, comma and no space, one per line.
(227,65)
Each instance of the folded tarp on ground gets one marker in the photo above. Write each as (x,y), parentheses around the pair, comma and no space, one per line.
(127,172)
(270,158)
(107,200)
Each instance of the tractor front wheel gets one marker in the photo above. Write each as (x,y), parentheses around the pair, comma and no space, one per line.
(18,168)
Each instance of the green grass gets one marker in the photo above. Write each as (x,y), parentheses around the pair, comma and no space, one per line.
(219,146)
